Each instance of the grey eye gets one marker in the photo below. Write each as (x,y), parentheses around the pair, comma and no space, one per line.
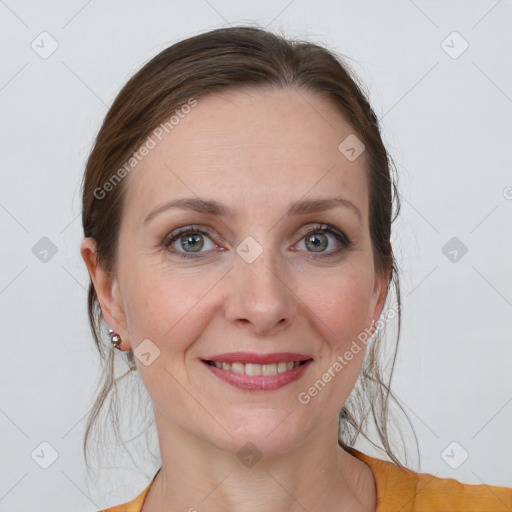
(317,242)
(193,242)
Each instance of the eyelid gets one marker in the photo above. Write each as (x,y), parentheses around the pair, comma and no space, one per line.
(321,227)
(189,228)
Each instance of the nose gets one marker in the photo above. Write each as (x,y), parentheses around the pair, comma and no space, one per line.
(259,298)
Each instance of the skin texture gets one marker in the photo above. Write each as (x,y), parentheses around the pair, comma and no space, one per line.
(256,151)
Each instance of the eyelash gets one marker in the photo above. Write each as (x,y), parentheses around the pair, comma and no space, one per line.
(345,242)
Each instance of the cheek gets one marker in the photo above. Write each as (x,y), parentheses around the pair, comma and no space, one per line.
(165,307)
(163,310)
(341,305)
(342,313)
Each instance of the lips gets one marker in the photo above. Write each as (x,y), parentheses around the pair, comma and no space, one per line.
(254,358)
(258,372)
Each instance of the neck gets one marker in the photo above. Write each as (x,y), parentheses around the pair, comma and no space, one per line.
(317,475)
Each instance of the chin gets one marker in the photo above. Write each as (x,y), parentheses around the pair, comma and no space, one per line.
(270,434)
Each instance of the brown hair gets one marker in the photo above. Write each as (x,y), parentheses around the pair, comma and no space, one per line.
(234,58)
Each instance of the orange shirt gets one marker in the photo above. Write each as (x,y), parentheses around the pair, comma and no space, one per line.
(401,490)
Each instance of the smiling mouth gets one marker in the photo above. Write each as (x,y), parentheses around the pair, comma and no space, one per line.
(253,369)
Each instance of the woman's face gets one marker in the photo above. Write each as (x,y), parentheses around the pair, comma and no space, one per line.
(261,279)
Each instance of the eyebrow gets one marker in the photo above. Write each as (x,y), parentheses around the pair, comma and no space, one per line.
(301,207)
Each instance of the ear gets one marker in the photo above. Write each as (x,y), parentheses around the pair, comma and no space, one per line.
(107,290)
(379,294)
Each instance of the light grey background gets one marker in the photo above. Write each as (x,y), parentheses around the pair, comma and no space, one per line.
(447,123)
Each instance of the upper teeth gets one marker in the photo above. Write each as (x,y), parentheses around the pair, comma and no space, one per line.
(258,369)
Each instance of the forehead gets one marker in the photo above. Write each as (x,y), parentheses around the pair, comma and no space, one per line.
(243,147)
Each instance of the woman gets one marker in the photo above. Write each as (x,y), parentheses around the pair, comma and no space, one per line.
(237,210)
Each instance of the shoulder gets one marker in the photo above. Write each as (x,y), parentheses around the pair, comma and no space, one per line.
(408,491)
